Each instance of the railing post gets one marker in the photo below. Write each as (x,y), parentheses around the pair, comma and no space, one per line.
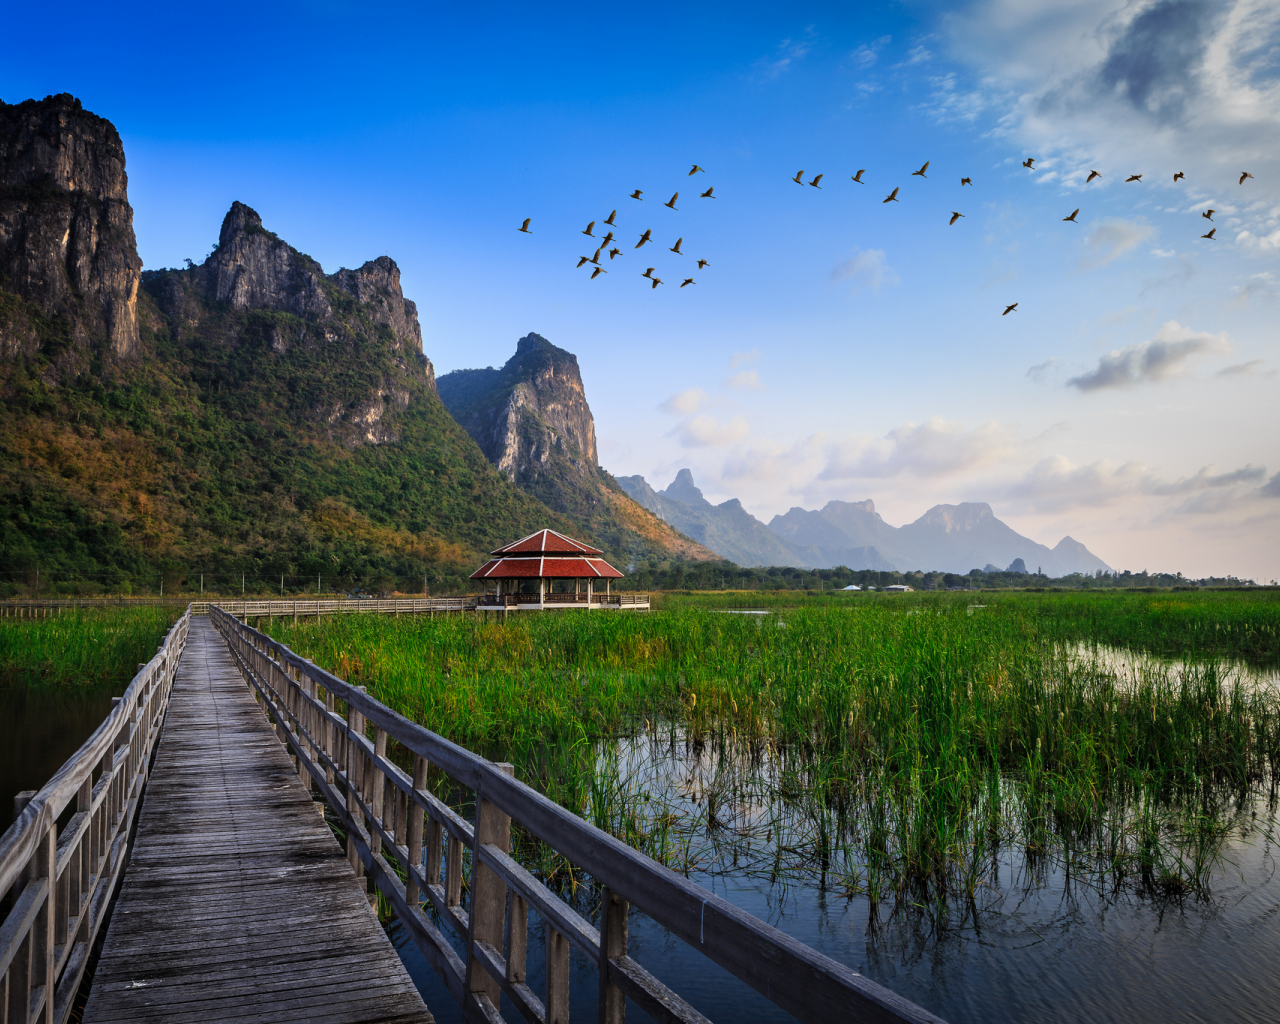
(613,945)
(488,894)
(355,754)
(44,864)
(415,830)
(557,1005)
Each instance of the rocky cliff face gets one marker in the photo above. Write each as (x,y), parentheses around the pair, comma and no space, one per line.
(69,267)
(352,315)
(529,415)
(532,421)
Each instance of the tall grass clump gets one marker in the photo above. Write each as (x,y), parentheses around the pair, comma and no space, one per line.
(890,748)
(81,647)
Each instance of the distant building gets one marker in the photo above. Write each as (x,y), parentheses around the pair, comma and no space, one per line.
(549,571)
(899,588)
(851,586)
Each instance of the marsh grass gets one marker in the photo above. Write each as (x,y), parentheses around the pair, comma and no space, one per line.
(81,647)
(901,751)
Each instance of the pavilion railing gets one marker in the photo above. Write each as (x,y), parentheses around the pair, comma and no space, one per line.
(58,882)
(395,826)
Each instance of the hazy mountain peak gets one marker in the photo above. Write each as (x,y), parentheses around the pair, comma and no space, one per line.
(968,515)
(682,488)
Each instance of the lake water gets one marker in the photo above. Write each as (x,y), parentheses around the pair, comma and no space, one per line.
(1044,946)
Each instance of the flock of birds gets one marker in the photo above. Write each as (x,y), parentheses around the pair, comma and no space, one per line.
(608,240)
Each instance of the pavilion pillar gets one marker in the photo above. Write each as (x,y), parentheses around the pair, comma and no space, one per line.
(542,593)
(590,605)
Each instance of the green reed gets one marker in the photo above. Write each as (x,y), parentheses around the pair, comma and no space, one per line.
(892,748)
(81,647)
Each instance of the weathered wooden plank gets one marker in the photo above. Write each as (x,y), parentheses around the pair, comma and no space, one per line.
(237,904)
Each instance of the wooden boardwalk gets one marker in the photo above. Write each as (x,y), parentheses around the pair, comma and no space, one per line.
(238,904)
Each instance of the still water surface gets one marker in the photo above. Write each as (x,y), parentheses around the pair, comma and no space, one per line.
(1041,949)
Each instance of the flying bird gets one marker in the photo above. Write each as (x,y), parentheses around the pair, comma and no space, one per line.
(921,171)
(587,230)
(648,272)
(815,181)
(1243,175)
(1178,175)
(707,194)
(1133,177)
(645,237)
(584,259)
(1027,163)
(676,248)
(656,281)
(1009,309)
(606,240)
(609,219)
(1208,214)
(597,272)
(614,252)
(695,170)
(687,280)
(1092,175)
(955,217)
(672,201)
(703,263)
(965,181)
(892,197)
(525,226)
(799,178)
(1210,234)
(1072,218)
(596,258)
(858,177)
(637,194)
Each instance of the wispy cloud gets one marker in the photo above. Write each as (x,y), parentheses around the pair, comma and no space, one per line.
(706,432)
(1112,239)
(1253,368)
(744,358)
(789,52)
(868,53)
(1161,358)
(934,448)
(1037,372)
(685,403)
(866,269)
(745,380)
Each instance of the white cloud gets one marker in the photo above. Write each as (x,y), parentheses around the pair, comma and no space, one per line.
(1056,483)
(747,380)
(684,403)
(748,358)
(1037,372)
(1162,357)
(1128,86)
(789,51)
(1254,367)
(931,449)
(1262,285)
(866,269)
(1112,239)
(706,432)
(867,54)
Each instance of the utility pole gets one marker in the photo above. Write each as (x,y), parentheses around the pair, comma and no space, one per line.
(162,584)
(282,584)
(242,584)
(202,584)
(317,584)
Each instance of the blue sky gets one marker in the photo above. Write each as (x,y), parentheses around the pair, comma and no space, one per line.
(836,346)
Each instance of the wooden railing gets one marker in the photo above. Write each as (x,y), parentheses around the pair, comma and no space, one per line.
(395,826)
(603,600)
(58,882)
(339,606)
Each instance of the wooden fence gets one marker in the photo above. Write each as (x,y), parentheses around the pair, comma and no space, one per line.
(339,606)
(58,882)
(395,827)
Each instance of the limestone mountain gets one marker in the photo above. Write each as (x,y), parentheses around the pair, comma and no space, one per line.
(69,267)
(732,532)
(532,421)
(947,538)
(250,415)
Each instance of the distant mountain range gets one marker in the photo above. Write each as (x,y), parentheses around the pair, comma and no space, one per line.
(947,538)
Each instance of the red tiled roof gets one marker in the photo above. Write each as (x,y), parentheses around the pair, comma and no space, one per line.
(549,542)
(535,566)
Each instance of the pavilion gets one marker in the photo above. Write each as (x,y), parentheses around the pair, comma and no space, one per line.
(547,570)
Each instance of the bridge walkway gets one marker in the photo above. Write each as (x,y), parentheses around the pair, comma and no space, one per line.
(238,904)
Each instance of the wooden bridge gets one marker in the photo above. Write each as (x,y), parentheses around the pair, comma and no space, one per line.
(199,800)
